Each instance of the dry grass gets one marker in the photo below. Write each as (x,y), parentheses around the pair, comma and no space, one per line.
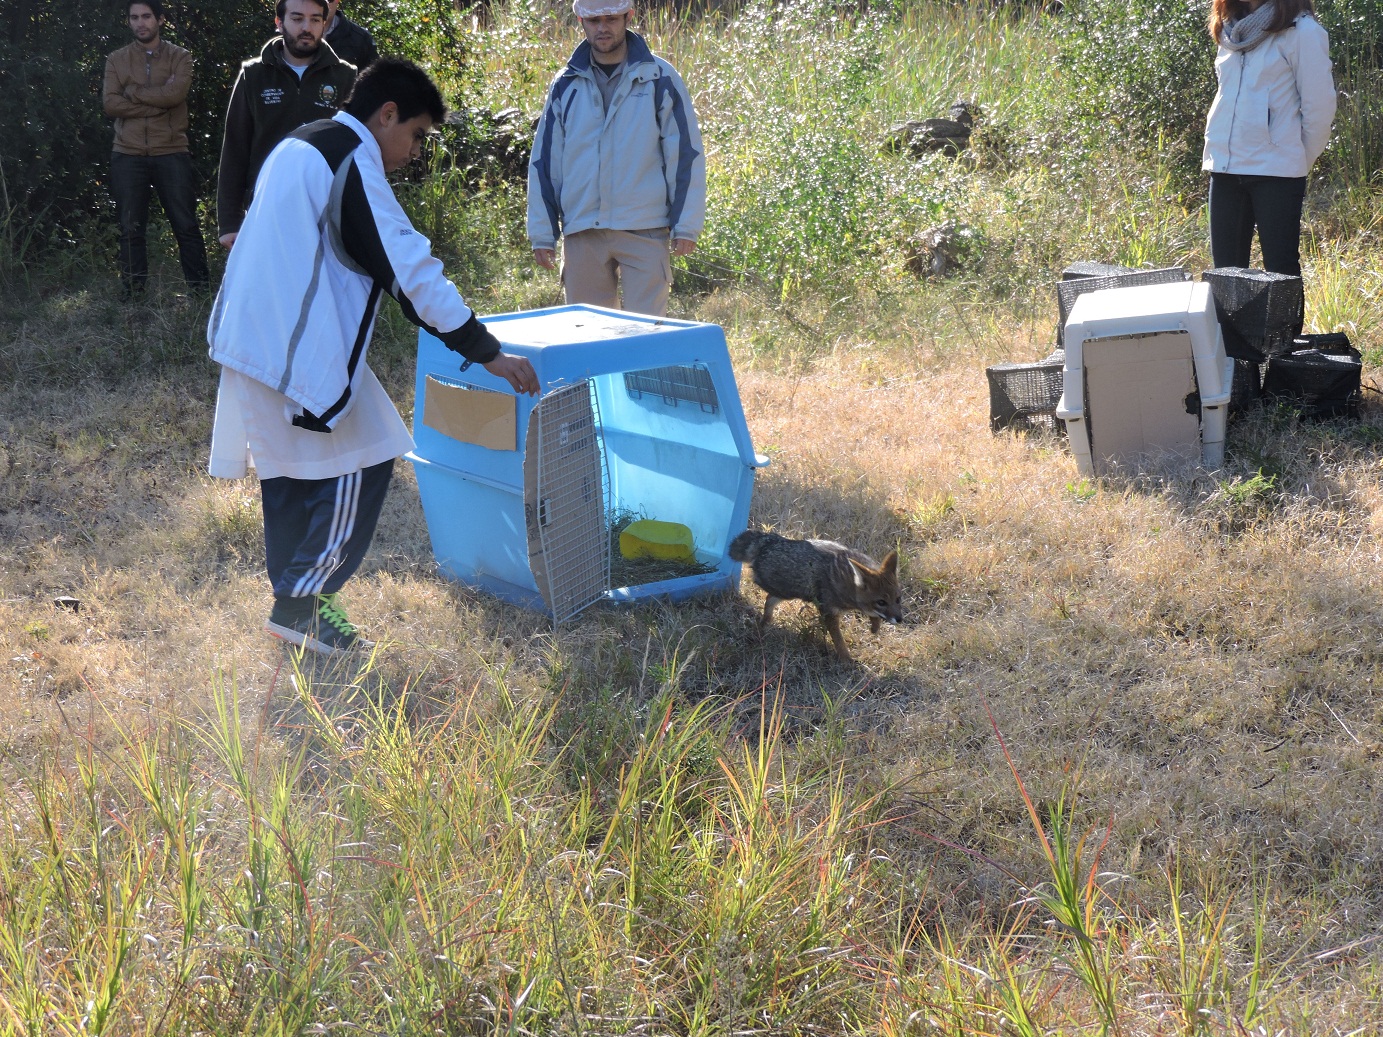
(1118,773)
(1187,660)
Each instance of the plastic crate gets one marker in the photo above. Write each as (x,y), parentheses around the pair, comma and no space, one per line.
(636,416)
(1145,373)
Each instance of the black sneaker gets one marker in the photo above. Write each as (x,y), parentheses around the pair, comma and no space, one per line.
(317,624)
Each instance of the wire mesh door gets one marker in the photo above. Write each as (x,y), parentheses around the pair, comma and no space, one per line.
(568,535)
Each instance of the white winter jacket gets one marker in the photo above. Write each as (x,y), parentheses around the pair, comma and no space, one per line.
(637,166)
(1272,113)
(324,240)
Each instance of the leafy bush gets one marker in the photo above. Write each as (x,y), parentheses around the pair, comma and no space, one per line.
(800,195)
(1147,67)
(1140,67)
(434,33)
(1356,35)
(55,159)
(1356,46)
(54,137)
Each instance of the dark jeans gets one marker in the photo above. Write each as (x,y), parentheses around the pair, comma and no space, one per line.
(132,177)
(1272,204)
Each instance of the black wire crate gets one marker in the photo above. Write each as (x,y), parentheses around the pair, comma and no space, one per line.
(1023,397)
(1322,378)
(1260,313)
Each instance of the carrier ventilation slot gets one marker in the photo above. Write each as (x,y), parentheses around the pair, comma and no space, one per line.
(674,385)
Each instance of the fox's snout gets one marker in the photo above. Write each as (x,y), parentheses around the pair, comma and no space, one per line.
(888,613)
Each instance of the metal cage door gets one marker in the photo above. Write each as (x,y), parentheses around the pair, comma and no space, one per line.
(565,501)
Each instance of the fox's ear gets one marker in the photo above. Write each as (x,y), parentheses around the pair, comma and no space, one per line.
(890,566)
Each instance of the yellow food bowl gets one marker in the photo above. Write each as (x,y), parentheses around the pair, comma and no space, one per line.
(649,538)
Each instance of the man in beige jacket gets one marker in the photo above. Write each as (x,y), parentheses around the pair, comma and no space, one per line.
(145,92)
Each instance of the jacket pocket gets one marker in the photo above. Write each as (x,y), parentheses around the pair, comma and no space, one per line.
(1284,128)
(1256,122)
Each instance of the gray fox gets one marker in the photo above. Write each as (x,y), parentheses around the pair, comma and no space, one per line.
(831,576)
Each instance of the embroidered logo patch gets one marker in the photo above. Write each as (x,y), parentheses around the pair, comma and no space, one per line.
(328,94)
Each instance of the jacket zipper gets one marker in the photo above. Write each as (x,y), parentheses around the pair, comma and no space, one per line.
(1234,112)
(148,79)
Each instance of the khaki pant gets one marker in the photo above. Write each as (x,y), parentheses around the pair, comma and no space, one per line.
(597,264)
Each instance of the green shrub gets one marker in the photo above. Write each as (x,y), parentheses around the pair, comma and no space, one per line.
(1356,47)
(1356,36)
(56,143)
(1140,67)
(1146,67)
(434,33)
(799,192)
(55,159)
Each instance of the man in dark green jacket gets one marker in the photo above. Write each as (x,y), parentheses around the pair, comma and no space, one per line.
(296,79)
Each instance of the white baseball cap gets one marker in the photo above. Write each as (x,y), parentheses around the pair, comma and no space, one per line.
(600,8)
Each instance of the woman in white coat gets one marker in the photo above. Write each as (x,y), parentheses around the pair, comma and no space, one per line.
(1269,123)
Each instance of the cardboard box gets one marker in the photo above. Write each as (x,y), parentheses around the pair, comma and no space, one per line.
(470,414)
(1141,397)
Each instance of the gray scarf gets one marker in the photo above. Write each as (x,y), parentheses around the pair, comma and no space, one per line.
(1249,31)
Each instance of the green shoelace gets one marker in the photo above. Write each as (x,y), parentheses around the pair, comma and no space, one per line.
(330,611)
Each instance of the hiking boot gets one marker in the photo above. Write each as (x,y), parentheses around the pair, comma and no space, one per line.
(317,624)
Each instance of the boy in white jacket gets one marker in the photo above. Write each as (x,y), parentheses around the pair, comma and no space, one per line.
(323,241)
(1269,123)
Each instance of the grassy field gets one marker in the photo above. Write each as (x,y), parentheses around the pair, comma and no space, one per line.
(1119,772)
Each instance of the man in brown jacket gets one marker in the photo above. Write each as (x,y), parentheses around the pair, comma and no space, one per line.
(145,92)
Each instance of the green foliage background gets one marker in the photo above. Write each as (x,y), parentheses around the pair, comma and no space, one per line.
(1147,67)
(55,157)
(797,191)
